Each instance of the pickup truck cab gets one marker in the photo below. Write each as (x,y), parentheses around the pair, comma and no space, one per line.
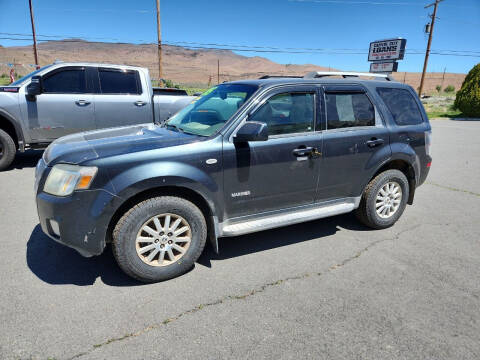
(246,156)
(65,98)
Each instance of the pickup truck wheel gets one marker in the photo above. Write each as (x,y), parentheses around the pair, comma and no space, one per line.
(383,200)
(7,150)
(159,238)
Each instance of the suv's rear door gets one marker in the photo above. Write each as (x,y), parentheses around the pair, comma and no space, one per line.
(121,99)
(270,175)
(355,142)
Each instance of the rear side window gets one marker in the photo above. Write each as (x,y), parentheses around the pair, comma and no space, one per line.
(68,81)
(119,81)
(349,110)
(402,105)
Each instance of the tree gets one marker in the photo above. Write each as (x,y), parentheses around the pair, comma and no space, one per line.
(468,97)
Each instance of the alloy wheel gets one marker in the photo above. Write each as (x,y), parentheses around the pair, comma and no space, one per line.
(388,199)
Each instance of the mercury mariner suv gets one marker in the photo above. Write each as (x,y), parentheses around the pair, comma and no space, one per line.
(244,157)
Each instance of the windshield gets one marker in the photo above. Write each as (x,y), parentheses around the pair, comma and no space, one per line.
(207,114)
(26,77)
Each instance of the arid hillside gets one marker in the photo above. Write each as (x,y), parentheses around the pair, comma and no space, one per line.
(182,65)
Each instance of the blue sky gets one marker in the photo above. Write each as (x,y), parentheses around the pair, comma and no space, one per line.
(325,24)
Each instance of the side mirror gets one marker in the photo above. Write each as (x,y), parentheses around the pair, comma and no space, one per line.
(35,87)
(251,131)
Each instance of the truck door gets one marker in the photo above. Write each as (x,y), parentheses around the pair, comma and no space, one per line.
(121,99)
(64,107)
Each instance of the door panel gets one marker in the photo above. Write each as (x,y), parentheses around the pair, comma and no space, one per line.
(355,142)
(281,172)
(121,100)
(266,175)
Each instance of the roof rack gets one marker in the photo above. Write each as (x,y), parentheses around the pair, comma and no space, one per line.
(346,74)
(279,77)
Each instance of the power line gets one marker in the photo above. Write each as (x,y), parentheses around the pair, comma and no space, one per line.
(353,2)
(235,47)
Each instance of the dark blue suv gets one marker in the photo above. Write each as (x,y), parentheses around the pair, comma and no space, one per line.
(246,156)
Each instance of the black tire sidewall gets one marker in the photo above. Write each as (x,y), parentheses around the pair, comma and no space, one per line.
(126,234)
(371,213)
(9,150)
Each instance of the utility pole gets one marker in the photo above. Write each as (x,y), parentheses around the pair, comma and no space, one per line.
(427,53)
(35,55)
(159,35)
(218,71)
(443,77)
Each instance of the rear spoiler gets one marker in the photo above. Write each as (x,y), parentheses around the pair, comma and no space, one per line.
(169,91)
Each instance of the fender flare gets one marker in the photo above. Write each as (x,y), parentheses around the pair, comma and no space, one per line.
(16,126)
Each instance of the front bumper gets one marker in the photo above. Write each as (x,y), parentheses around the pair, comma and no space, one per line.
(79,221)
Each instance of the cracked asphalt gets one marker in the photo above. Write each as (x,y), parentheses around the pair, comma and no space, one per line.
(327,289)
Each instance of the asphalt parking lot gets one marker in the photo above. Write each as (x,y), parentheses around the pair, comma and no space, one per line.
(327,289)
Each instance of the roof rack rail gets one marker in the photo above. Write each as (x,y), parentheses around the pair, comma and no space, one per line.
(346,74)
(279,77)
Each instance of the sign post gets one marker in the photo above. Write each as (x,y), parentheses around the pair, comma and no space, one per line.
(383,55)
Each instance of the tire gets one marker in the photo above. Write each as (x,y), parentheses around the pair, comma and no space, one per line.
(136,261)
(389,210)
(7,150)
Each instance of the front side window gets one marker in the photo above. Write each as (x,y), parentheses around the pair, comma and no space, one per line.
(68,81)
(287,113)
(114,81)
(402,105)
(209,113)
(346,110)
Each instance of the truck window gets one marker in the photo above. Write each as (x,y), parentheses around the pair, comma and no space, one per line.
(402,105)
(117,81)
(287,113)
(349,110)
(67,81)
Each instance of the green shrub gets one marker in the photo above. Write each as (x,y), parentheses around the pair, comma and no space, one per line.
(449,89)
(468,97)
(438,88)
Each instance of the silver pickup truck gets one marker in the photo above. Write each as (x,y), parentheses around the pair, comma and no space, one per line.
(64,98)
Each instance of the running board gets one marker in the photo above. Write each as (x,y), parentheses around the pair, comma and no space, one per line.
(294,216)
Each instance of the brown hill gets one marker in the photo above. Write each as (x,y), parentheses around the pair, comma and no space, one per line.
(182,65)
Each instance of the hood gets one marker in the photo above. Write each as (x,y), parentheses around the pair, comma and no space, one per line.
(81,147)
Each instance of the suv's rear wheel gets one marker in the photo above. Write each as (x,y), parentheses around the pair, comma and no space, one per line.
(159,239)
(7,150)
(384,200)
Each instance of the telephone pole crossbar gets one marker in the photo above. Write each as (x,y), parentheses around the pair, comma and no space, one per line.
(430,35)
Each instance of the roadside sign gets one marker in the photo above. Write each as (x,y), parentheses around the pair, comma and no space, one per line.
(383,67)
(390,49)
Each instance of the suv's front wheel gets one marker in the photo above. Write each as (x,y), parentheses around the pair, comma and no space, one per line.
(159,238)
(384,200)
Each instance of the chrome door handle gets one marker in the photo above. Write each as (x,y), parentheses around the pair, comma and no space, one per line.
(140,103)
(82,102)
(373,142)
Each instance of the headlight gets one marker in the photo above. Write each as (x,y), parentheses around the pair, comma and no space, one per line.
(64,179)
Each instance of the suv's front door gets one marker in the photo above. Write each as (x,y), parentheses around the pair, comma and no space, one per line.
(64,107)
(354,143)
(270,175)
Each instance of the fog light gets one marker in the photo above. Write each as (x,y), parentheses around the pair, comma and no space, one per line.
(55,227)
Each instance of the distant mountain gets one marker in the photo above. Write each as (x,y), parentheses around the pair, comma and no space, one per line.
(181,64)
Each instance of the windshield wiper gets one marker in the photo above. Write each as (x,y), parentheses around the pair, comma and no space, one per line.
(179,129)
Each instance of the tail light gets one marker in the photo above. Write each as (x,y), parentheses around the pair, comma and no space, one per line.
(428,142)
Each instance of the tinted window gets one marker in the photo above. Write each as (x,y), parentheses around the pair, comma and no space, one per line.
(349,110)
(66,81)
(119,82)
(402,105)
(287,113)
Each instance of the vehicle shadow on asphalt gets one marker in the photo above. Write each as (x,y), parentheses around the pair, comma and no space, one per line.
(28,159)
(57,264)
(284,236)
